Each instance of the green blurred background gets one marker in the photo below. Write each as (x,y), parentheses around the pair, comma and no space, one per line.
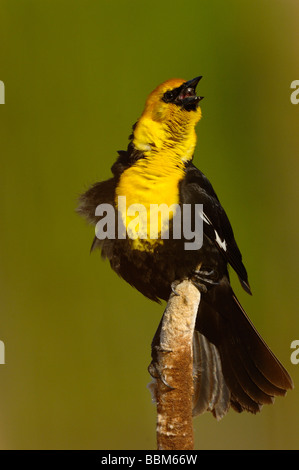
(77,337)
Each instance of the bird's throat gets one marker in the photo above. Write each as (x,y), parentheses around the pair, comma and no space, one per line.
(171,141)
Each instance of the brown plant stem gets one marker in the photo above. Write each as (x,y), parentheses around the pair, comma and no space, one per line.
(172,365)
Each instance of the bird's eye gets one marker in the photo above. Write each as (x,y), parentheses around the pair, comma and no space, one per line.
(168,96)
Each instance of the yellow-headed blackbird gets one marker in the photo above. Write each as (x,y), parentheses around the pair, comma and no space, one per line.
(236,366)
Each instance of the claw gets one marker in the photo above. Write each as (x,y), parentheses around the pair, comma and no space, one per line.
(202,288)
(173,286)
(208,281)
(204,273)
(161,377)
(154,371)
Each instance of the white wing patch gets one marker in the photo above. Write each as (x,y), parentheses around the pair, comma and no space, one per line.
(221,243)
(205,218)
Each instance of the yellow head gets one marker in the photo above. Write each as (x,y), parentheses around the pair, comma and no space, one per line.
(169,118)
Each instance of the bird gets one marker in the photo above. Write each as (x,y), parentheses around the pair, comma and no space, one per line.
(233,366)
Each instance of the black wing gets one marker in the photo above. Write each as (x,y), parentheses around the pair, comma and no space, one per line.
(196,188)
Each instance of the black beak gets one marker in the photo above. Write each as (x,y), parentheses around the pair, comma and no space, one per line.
(193,83)
(185,95)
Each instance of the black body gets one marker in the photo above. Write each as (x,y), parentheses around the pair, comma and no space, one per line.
(233,366)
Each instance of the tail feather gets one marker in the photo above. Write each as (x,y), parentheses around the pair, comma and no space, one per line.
(261,355)
(249,371)
(210,391)
(251,375)
(243,388)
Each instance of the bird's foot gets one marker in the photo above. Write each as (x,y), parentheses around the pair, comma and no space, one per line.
(173,286)
(203,279)
(154,370)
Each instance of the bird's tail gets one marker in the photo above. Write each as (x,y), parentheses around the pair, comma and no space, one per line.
(233,366)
